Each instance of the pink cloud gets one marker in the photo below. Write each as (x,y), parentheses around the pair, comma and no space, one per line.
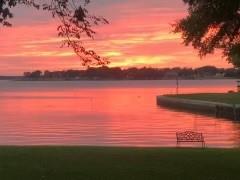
(139,34)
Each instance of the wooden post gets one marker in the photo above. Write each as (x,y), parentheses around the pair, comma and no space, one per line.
(235,112)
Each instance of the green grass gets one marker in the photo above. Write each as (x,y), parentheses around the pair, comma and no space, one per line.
(229,98)
(96,163)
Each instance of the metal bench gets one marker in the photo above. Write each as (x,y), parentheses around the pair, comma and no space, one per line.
(190,136)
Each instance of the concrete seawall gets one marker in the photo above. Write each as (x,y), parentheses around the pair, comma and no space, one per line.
(220,110)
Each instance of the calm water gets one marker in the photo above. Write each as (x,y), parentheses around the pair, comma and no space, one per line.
(112,113)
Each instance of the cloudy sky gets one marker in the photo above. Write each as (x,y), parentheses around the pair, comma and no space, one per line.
(139,34)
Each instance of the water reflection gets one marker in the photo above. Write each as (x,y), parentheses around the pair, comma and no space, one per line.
(122,113)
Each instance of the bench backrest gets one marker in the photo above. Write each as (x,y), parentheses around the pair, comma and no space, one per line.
(189,136)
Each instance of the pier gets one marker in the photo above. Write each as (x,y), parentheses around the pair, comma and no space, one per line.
(220,110)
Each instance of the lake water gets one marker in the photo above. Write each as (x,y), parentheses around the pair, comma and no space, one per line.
(106,113)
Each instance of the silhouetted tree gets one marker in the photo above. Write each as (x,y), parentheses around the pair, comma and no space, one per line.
(232,72)
(207,70)
(35,74)
(27,74)
(210,25)
(76,22)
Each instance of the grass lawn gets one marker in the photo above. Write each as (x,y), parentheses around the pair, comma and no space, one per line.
(97,163)
(229,98)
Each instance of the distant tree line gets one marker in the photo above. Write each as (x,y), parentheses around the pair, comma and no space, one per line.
(116,73)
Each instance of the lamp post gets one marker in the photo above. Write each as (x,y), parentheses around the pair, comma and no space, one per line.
(177,84)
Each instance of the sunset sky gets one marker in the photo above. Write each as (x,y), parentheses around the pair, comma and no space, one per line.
(139,34)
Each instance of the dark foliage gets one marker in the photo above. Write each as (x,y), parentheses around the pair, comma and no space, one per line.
(76,23)
(106,73)
(210,25)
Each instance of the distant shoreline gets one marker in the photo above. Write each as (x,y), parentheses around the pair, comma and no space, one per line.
(24,79)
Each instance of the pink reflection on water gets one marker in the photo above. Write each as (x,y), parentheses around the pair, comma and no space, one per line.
(114,115)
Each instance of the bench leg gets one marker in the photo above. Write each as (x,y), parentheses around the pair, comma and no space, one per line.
(178,143)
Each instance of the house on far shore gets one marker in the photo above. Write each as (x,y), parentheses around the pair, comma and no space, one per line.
(220,75)
(170,75)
